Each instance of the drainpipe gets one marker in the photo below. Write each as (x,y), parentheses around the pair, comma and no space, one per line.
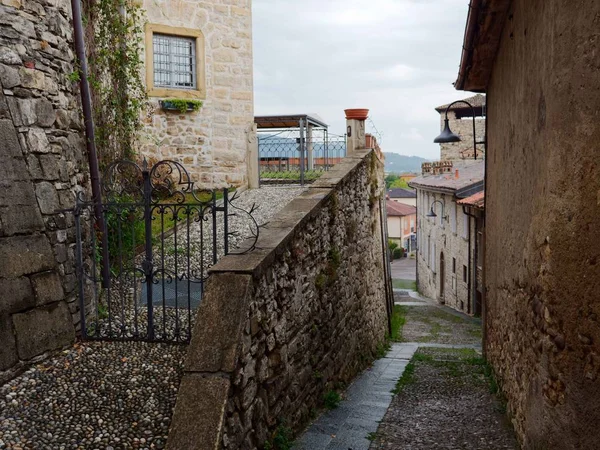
(471,293)
(86,104)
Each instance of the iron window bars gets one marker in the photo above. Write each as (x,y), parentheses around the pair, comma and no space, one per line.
(174,61)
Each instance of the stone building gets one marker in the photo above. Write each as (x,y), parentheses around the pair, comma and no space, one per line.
(538,62)
(42,164)
(446,266)
(460,117)
(201,51)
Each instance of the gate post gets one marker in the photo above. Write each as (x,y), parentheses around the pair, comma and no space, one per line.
(147,264)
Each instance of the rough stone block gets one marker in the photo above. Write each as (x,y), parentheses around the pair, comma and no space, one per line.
(23,255)
(9,56)
(47,197)
(16,295)
(31,78)
(47,288)
(42,329)
(38,141)
(15,220)
(9,139)
(9,76)
(214,343)
(8,349)
(13,169)
(204,399)
(16,193)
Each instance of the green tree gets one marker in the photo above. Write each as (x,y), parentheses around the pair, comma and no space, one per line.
(400,183)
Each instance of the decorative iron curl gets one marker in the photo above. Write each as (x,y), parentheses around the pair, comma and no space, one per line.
(171,179)
(116,182)
(253,226)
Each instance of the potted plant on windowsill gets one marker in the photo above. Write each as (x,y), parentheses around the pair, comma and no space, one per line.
(181,105)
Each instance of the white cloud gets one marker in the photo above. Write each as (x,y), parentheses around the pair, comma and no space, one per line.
(396,57)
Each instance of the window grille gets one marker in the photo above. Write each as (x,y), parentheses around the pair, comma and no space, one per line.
(174,61)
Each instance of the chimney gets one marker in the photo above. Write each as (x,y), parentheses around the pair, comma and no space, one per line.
(456,174)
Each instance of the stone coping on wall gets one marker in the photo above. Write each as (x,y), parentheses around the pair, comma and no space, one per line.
(276,233)
(203,410)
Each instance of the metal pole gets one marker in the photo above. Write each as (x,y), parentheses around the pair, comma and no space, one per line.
(214,221)
(226,219)
(301,152)
(86,104)
(148,264)
(80,269)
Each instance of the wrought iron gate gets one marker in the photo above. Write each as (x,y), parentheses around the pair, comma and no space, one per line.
(142,265)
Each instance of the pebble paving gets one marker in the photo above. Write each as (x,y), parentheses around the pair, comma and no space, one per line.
(106,395)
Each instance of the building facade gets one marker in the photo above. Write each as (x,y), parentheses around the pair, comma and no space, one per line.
(538,61)
(404,196)
(446,242)
(401,224)
(201,51)
(460,119)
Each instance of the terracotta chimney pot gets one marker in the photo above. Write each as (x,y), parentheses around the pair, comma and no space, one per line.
(456,174)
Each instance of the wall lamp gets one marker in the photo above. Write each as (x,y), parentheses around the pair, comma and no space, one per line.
(447,136)
(432,212)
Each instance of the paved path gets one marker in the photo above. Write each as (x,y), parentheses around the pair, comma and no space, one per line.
(404,269)
(366,402)
(349,426)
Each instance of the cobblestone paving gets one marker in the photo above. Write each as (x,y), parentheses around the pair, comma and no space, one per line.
(430,323)
(445,403)
(106,395)
(445,398)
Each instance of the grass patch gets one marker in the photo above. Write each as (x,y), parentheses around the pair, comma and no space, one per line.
(372,436)
(309,175)
(398,322)
(281,439)
(411,285)
(332,399)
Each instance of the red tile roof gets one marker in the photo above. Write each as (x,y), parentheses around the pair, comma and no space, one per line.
(399,209)
(476,200)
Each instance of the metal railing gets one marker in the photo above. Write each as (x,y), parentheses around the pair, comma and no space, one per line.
(297,159)
(160,238)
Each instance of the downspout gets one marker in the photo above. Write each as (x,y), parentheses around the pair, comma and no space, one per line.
(470,291)
(86,104)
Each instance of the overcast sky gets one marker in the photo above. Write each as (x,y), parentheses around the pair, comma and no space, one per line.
(396,57)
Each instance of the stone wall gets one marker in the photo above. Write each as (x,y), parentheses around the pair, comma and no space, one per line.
(42,161)
(463,128)
(543,222)
(299,316)
(212,143)
(448,240)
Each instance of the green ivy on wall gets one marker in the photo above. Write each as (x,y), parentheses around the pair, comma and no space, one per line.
(115,42)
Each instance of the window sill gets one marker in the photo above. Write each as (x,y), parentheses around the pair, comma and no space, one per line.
(178,93)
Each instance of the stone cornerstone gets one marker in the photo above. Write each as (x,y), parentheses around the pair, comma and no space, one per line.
(213,143)
(299,316)
(42,156)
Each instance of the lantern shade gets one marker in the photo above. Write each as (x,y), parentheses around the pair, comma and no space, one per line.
(447,135)
(431,213)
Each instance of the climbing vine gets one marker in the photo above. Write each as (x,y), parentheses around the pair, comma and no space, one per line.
(114,38)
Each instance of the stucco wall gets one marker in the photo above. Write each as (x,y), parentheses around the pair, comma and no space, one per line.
(543,226)
(213,142)
(299,316)
(42,161)
(451,244)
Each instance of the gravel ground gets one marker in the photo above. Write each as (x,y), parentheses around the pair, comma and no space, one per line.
(445,403)
(98,395)
(109,395)
(433,324)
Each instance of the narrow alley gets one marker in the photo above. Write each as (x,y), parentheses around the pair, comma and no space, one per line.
(432,389)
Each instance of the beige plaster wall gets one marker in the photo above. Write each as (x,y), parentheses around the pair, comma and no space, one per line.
(542,271)
(213,142)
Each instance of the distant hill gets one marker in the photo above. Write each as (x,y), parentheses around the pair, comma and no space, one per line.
(397,163)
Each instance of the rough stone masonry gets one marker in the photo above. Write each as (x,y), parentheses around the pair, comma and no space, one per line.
(42,163)
(298,317)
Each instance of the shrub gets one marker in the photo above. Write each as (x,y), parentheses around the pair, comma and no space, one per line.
(398,253)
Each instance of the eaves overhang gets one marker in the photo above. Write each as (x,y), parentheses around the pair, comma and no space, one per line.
(483,33)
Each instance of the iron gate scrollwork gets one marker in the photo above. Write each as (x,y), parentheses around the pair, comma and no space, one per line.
(142,276)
